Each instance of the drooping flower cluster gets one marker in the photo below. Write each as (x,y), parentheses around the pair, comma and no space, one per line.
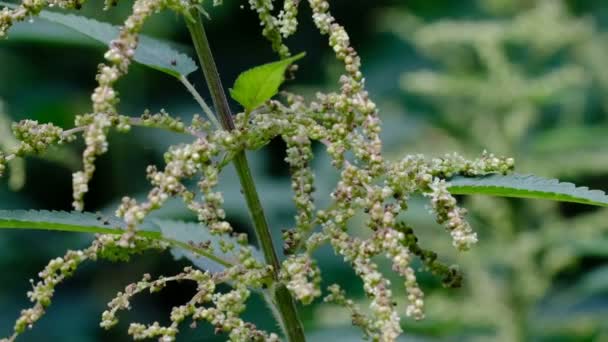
(299,154)
(182,162)
(414,174)
(346,123)
(384,318)
(96,142)
(271,25)
(223,314)
(288,17)
(61,268)
(105,97)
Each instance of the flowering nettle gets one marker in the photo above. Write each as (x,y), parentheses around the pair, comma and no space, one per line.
(346,122)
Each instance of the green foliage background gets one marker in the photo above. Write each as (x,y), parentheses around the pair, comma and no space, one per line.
(522,78)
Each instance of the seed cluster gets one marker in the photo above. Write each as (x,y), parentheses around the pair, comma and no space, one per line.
(36,138)
(183,161)
(105,97)
(302,277)
(222,310)
(288,18)
(61,268)
(272,27)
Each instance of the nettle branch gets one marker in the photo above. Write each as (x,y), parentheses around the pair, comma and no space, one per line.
(345,122)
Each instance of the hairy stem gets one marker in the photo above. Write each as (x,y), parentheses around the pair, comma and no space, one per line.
(280,295)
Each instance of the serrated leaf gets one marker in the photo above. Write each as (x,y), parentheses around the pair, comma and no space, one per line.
(46,32)
(150,52)
(192,233)
(176,232)
(527,186)
(68,221)
(257,85)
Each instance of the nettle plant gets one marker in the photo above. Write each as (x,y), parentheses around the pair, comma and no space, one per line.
(345,122)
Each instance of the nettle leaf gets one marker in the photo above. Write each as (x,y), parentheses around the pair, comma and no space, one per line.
(154,53)
(193,233)
(68,222)
(570,138)
(177,234)
(255,86)
(597,247)
(527,186)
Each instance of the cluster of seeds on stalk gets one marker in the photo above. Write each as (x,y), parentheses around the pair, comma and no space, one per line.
(223,314)
(61,268)
(105,97)
(288,18)
(36,138)
(302,277)
(346,123)
(272,26)
(164,120)
(183,161)
(222,310)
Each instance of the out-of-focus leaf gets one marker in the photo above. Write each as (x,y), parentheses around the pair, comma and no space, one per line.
(66,221)
(568,138)
(150,52)
(578,162)
(527,186)
(594,282)
(348,334)
(595,248)
(257,85)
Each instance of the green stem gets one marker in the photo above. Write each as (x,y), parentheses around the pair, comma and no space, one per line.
(281,297)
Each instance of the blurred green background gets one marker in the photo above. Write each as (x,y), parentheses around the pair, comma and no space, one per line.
(524,78)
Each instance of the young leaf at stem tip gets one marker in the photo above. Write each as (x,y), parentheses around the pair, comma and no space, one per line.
(257,85)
